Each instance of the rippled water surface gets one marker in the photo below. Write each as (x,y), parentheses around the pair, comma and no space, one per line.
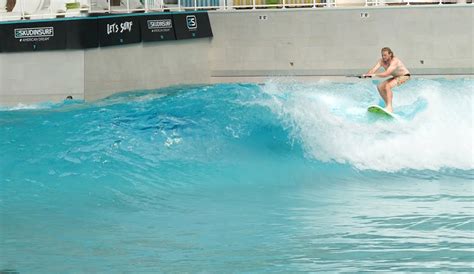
(241,177)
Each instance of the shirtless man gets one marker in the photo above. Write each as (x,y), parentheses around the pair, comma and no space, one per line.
(393,67)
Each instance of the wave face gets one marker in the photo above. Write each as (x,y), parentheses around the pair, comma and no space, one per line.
(284,176)
(434,129)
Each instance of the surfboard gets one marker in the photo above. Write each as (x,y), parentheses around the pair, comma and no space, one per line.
(380,111)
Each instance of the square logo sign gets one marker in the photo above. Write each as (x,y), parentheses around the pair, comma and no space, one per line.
(191,22)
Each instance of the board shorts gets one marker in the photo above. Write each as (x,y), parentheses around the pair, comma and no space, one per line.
(402,79)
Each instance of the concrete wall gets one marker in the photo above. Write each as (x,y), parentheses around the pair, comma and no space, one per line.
(97,73)
(145,66)
(338,41)
(248,44)
(32,77)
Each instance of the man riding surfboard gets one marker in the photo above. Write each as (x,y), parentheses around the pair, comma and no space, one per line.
(393,67)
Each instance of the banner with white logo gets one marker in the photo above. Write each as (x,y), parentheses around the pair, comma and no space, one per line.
(119,30)
(103,31)
(33,36)
(192,25)
(157,28)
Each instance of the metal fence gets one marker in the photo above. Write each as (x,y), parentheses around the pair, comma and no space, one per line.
(36,9)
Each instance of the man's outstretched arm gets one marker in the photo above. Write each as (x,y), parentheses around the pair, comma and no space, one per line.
(375,68)
(371,72)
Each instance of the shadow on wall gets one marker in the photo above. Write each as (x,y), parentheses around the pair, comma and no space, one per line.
(10,5)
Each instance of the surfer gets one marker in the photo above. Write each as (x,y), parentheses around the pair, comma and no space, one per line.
(393,67)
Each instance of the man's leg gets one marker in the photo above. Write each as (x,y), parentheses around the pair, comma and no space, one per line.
(388,92)
(381,89)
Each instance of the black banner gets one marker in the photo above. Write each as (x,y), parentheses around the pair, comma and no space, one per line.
(157,28)
(92,32)
(119,30)
(192,25)
(46,35)
(82,34)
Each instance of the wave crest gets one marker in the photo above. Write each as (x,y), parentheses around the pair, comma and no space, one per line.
(330,120)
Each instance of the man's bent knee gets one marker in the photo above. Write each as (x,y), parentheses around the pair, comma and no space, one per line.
(392,84)
(381,86)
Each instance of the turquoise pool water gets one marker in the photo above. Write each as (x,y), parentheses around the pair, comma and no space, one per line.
(284,176)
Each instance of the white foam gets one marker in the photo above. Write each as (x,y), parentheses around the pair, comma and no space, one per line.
(21,106)
(331,122)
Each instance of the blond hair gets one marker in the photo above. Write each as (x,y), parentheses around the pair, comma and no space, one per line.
(387,49)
